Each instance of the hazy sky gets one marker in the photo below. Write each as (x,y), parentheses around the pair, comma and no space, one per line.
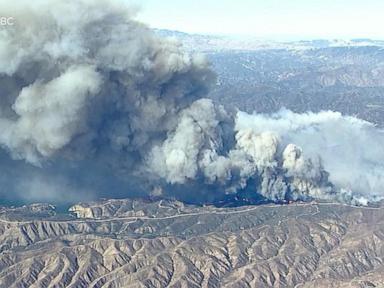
(269,18)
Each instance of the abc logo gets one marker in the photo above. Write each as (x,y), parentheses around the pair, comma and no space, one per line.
(6,21)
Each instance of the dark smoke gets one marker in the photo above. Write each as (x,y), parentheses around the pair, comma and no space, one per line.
(94,104)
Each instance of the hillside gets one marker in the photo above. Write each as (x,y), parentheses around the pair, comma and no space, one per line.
(131,243)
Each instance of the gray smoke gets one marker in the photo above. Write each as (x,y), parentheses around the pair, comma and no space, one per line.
(287,156)
(94,104)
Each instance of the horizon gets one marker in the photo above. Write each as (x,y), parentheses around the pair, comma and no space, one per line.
(282,39)
(274,20)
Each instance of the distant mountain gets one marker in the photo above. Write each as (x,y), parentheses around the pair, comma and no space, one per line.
(253,75)
(345,79)
(212,43)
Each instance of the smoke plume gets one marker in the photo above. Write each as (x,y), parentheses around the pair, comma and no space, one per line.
(94,104)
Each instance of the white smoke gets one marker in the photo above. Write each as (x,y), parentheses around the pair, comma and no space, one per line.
(91,100)
(350,149)
(190,145)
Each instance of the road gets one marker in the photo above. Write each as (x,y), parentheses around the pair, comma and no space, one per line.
(133,219)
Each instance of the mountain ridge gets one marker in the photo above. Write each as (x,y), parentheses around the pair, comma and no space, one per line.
(170,244)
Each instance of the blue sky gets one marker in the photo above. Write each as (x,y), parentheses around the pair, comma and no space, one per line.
(274,19)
